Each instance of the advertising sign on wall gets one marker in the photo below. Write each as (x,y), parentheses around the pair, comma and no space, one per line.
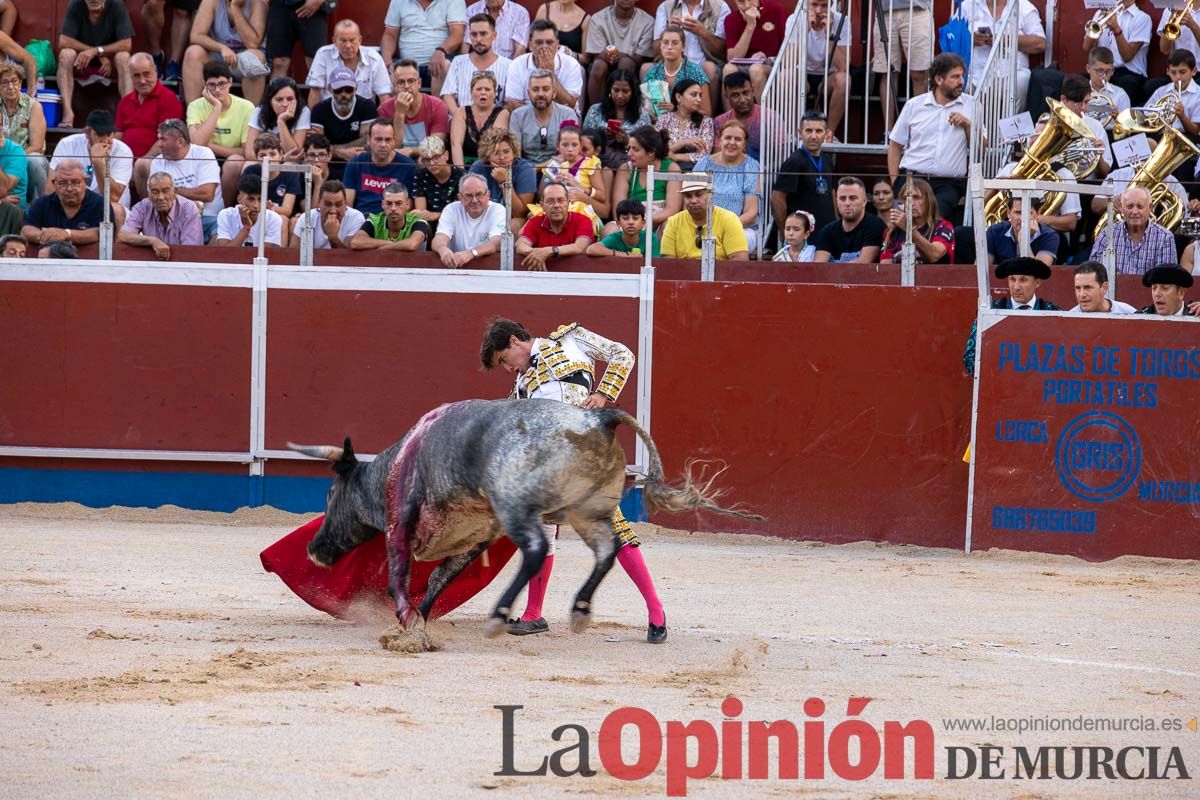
(1088,437)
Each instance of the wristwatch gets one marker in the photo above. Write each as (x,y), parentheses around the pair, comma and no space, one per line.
(554,252)
(441,50)
(100,49)
(475,252)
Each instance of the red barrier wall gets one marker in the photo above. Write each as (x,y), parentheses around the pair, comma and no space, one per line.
(814,409)
(1090,449)
(371,363)
(132,367)
(842,412)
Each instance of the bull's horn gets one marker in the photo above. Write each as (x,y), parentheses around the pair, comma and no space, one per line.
(324,451)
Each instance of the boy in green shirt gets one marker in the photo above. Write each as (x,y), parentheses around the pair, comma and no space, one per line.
(631,239)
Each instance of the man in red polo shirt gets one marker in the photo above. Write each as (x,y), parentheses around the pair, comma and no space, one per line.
(557,232)
(754,29)
(140,112)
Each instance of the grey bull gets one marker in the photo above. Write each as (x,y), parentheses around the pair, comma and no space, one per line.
(470,472)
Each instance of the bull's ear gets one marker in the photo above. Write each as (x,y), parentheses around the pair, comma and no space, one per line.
(346,464)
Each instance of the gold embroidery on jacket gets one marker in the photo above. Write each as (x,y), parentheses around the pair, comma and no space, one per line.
(553,363)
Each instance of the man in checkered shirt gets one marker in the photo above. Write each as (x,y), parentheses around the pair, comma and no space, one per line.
(1139,242)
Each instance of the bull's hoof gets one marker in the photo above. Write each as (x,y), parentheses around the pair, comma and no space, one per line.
(406,617)
(657,634)
(521,627)
(580,620)
(494,627)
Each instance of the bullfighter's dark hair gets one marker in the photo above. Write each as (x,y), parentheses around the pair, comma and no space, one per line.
(497,337)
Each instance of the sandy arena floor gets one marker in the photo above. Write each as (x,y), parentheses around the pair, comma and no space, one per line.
(146,654)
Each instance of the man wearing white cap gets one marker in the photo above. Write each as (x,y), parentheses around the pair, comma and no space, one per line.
(684,232)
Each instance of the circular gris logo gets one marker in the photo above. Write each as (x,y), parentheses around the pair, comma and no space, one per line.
(1098,456)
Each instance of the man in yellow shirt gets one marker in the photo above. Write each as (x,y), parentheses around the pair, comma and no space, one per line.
(220,121)
(684,232)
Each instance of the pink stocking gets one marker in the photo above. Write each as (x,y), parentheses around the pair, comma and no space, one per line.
(537,590)
(635,566)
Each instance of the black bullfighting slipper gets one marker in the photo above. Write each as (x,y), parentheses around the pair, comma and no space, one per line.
(657,634)
(520,627)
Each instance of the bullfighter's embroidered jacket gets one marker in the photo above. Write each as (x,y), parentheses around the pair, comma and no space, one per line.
(562,366)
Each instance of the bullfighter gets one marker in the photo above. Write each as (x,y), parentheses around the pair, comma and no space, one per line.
(562,367)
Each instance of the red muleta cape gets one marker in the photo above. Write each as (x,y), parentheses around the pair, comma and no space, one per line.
(361,575)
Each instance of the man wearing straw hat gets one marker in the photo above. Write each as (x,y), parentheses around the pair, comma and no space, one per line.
(684,233)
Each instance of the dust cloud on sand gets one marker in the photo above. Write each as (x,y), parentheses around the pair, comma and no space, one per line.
(145,653)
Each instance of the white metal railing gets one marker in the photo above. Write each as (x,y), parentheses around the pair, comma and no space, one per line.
(260,279)
(1051,23)
(995,99)
(786,90)
(785,95)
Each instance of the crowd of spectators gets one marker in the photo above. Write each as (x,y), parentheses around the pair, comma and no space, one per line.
(413,138)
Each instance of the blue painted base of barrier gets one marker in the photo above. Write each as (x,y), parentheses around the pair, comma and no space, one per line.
(200,491)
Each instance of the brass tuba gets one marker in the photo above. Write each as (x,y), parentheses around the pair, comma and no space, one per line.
(1165,207)
(1174,26)
(1064,127)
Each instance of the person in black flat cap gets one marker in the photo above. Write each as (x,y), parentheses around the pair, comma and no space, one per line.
(1168,284)
(1025,276)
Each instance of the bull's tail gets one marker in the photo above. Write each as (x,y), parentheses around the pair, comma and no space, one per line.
(695,493)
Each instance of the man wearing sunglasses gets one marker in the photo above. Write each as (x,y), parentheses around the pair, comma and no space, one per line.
(342,117)
(536,124)
(683,236)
